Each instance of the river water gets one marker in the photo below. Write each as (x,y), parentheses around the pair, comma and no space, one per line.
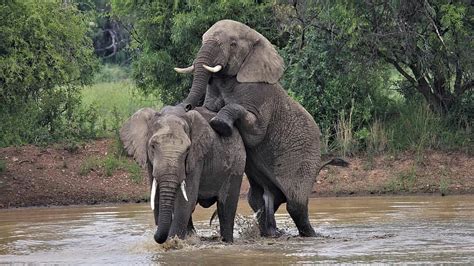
(420,229)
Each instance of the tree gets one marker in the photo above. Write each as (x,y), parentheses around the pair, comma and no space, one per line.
(323,74)
(110,37)
(45,55)
(428,42)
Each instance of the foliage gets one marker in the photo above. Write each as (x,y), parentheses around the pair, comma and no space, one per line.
(340,54)
(327,81)
(111,38)
(168,34)
(428,42)
(45,55)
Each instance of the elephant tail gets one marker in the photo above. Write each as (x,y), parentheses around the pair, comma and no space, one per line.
(213,216)
(335,161)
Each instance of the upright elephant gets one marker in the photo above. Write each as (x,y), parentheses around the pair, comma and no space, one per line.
(241,69)
(182,152)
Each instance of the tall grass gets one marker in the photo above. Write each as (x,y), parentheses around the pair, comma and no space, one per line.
(378,138)
(115,102)
(344,134)
(415,128)
(418,128)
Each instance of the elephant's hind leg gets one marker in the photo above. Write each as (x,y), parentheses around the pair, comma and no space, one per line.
(297,199)
(299,214)
(263,203)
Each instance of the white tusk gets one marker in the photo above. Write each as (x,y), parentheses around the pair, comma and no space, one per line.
(183,189)
(213,69)
(153,193)
(187,70)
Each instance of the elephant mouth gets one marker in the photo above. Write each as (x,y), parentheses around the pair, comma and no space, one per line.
(154,187)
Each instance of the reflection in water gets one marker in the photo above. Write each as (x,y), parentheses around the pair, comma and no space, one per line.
(367,229)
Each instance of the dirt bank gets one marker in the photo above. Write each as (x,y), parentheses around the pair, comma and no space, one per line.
(38,176)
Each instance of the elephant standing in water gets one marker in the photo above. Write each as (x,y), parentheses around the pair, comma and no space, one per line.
(240,70)
(183,153)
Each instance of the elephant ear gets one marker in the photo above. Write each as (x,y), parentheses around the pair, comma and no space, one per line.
(201,135)
(262,64)
(135,134)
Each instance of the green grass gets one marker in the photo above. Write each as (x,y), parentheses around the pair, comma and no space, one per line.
(403,182)
(89,165)
(109,165)
(115,102)
(444,186)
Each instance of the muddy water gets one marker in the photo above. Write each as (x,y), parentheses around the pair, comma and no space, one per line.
(377,229)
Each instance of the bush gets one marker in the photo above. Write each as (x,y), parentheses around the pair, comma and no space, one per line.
(45,55)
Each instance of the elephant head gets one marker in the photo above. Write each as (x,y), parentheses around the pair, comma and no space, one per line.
(166,142)
(233,49)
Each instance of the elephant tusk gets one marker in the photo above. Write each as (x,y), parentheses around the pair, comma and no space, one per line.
(187,70)
(213,69)
(153,194)
(183,189)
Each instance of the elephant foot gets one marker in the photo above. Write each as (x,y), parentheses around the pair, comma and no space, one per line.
(221,127)
(272,233)
(308,233)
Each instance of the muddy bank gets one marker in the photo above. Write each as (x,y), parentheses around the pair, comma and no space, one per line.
(59,175)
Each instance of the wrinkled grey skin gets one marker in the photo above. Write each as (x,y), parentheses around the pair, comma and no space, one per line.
(280,136)
(176,145)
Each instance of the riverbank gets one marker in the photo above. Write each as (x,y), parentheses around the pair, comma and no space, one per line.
(87,174)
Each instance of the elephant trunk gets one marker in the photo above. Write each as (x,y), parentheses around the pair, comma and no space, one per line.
(207,55)
(167,191)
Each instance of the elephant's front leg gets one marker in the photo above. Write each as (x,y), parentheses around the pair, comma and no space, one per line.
(182,221)
(227,207)
(190,230)
(250,127)
(213,101)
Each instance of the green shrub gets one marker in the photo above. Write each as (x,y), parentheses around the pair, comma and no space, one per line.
(45,55)
(88,165)
(111,163)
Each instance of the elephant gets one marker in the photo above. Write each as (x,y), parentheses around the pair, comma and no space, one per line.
(237,71)
(183,153)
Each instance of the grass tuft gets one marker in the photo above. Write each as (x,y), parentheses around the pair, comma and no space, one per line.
(344,134)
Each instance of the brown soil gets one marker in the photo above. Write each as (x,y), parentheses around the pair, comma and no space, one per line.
(37,176)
